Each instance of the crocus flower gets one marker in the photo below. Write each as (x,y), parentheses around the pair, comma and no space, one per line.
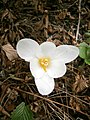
(46,61)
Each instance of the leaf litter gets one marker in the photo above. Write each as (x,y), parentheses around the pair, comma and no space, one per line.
(41,20)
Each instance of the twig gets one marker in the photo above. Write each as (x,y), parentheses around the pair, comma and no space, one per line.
(77,33)
(49,100)
(46,22)
(4,111)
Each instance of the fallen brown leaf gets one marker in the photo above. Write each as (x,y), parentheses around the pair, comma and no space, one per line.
(80,84)
(9,107)
(74,103)
(10,52)
(61,15)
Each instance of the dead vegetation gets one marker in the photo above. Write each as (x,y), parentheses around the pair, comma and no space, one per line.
(42,20)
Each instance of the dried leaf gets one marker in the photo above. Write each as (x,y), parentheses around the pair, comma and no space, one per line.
(46,23)
(50,39)
(61,15)
(80,84)
(77,107)
(4,14)
(71,35)
(50,29)
(20,32)
(74,103)
(10,52)
(71,17)
(12,94)
(57,42)
(9,107)
(35,107)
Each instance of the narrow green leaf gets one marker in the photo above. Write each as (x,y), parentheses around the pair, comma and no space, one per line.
(22,112)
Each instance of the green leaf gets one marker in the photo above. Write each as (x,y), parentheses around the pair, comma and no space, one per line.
(22,112)
(83,50)
(87,61)
(88,52)
(87,34)
(89,31)
(88,40)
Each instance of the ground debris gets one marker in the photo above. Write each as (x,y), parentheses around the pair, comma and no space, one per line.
(43,20)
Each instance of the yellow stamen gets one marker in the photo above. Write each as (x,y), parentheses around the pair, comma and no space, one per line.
(44,63)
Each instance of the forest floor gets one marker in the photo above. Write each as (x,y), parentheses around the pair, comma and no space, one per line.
(58,21)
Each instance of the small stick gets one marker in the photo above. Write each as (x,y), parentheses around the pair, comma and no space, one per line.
(46,22)
(49,100)
(77,33)
(4,111)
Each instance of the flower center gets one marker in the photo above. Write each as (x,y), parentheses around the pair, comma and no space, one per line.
(44,63)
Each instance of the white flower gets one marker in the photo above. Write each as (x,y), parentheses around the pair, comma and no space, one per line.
(46,61)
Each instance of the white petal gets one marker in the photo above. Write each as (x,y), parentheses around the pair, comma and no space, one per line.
(47,49)
(26,48)
(56,69)
(35,68)
(45,85)
(67,53)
